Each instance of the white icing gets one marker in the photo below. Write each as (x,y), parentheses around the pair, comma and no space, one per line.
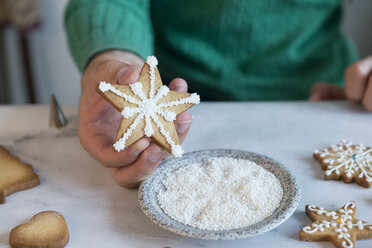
(193,99)
(149,109)
(120,144)
(151,61)
(103,86)
(137,90)
(129,112)
(148,127)
(168,115)
(176,149)
(162,91)
(342,228)
(356,160)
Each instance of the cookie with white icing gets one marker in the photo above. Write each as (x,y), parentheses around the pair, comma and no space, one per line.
(340,227)
(348,162)
(148,108)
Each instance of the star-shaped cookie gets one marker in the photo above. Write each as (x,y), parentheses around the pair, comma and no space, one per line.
(341,227)
(14,175)
(148,108)
(346,161)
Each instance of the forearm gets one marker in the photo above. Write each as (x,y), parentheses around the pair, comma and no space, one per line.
(94,26)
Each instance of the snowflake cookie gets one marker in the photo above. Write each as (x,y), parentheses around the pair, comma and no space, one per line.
(148,108)
(346,161)
(341,227)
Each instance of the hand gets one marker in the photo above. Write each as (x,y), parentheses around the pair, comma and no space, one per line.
(99,121)
(358,85)
(358,82)
(326,91)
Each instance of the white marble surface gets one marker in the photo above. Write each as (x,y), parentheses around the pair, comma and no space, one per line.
(101,214)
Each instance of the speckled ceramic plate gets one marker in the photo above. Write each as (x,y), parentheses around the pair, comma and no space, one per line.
(148,191)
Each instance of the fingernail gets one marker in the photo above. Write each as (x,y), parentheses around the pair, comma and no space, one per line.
(182,126)
(180,86)
(127,76)
(120,74)
(156,153)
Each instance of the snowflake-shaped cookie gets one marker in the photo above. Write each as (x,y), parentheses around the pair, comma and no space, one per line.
(148,108)
(341,227)
(346,161)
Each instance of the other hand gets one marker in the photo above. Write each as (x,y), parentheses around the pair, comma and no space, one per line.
(358,85)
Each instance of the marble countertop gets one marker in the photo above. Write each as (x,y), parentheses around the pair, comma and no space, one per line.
(101,214)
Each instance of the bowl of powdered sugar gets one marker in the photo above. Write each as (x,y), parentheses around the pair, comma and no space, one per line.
(219,194)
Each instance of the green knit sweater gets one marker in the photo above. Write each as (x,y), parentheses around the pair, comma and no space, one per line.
(225,49)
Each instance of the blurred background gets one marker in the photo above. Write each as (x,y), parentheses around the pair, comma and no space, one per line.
(35,61)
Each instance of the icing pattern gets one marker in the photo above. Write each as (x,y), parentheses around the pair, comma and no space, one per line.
(148,108)
(341,222)
(355,160)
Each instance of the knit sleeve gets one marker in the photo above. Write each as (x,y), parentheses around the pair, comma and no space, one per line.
(97,25)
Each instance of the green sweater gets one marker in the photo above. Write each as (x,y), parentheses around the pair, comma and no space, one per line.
(225,49)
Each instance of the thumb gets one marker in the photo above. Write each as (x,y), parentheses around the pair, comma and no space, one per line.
(128,75)
(326,91)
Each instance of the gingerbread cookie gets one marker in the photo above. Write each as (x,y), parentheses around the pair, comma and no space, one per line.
(45,229)
(341,227)
(14,175)
(148,108)
(348,162)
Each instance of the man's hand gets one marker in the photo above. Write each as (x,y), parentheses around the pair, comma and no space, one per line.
(99,121)
(358,85)
(326,91)
(358,82)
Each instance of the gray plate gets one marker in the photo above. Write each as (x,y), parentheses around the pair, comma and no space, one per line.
(148,191)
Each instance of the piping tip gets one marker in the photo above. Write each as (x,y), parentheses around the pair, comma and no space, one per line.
(56,119)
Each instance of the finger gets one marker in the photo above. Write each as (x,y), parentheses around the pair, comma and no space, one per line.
(356,77)
(178,84)
(128,75)
(129,176)
(183,124)
(101,147)
(167,155)
(326,91)
(316,94)
(106,70)
(101,71)
(367,98)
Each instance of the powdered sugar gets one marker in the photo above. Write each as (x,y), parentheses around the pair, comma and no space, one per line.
(220,194)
